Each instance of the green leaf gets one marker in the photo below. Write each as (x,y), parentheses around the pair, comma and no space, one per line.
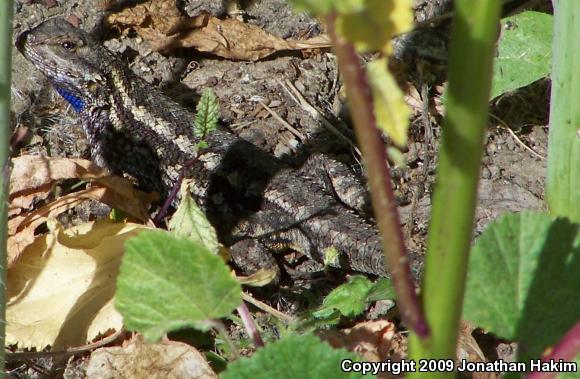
(523,280)
(207,113)
(350,299)
(190,221)
(167,283)
(300,356)
(524,51)
(382,290)
(117,215)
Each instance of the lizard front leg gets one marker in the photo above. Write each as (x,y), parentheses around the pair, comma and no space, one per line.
(257,237)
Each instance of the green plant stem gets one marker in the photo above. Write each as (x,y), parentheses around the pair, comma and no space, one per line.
(472,48)
(6,7)
(379,179)
(563,177)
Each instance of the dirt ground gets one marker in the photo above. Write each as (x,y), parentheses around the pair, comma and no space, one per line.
(512,176)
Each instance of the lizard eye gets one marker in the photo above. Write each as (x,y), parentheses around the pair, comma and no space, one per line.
(68,45)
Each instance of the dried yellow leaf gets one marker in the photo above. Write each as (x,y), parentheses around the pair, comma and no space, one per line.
(60,293)
(376,23)
(391,111)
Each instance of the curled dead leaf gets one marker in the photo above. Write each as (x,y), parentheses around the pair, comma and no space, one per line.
(119,194)
(34,172)
(160,23)
(371,339)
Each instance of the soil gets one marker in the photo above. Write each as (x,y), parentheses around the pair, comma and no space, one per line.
(512,177)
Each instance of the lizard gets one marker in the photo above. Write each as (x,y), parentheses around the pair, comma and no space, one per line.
(257,204)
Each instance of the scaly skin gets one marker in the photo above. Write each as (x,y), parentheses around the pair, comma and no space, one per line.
(254,201)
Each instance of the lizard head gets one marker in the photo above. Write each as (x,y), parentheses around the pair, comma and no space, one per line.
(68,57)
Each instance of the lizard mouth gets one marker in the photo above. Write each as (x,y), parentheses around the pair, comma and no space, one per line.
(21,41)
(25,44)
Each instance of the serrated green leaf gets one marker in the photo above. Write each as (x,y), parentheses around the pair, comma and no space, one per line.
(190,221)
(524,53)
(382,290)
(350,299)
(168,282)
(304,357)
(523,280)
(207,113)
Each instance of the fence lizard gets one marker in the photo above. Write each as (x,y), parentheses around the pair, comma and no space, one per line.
(255,202)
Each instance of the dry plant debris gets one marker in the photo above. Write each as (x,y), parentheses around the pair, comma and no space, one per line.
(162,25)
(33,178)
(166,359)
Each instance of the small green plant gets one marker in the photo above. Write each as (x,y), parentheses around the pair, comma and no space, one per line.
(206,118)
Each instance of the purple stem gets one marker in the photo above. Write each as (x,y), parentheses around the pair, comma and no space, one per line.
(173,194)
(379,180)
(250,325)
(567,349)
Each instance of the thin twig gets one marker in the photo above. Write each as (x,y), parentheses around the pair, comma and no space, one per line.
(518,140)
(316,114)
(283,122)
(266,308)
(24,355)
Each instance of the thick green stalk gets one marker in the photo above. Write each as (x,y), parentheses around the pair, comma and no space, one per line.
(470,70)
(5,69)
(563,178)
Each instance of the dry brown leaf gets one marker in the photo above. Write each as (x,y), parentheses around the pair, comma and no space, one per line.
(469,350)
(32,179)
(374,341)
(21,228)
(32,172)
(371,339)
(26,199)
(160,23)
(120,195)
(236,40)
(163,360)
(61,292)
